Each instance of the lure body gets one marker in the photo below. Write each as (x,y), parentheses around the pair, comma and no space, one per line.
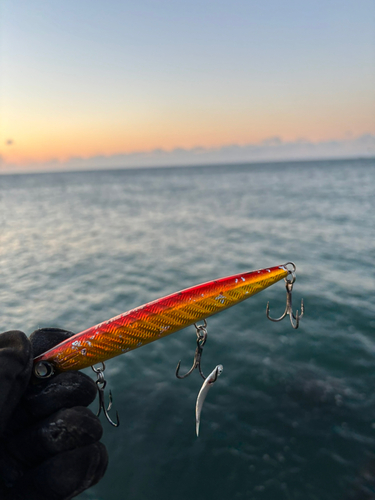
(207,384)
(157,319)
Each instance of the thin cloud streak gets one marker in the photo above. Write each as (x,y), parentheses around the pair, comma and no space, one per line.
(271,149)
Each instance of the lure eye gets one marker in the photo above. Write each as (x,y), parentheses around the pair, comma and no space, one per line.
(43,369)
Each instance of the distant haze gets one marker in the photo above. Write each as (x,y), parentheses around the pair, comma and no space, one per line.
(273,149)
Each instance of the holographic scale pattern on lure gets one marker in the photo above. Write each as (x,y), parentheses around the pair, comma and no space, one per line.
(157,319)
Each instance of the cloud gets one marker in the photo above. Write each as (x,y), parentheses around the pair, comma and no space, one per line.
(271,149)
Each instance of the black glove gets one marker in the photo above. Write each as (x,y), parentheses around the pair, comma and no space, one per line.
(49,440)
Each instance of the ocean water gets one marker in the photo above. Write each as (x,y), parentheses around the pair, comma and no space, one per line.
(293,414)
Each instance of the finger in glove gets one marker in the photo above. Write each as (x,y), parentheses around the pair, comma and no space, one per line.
(64,430)
(63,476)
(62,391)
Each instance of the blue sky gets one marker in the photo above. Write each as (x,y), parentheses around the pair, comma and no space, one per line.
(88,78)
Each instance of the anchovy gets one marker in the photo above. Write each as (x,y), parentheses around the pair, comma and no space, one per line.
(203,393)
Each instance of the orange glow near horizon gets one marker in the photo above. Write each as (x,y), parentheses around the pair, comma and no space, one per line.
(42,140)
(44,151)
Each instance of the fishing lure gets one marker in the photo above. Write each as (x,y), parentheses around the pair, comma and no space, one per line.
(154,320)
(207,384)
(160,318)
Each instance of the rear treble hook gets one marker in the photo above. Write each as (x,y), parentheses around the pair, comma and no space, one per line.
(201,340)
(288,307)
(100,384)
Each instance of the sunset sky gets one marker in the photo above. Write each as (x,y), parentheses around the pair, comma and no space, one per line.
(88,78)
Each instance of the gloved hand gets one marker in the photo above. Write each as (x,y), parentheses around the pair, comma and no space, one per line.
(49,440)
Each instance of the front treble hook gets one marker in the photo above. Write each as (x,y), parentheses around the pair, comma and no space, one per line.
(100,384)
(288,308)
(201,340)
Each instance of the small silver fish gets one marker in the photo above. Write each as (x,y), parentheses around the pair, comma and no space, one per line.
(203,393)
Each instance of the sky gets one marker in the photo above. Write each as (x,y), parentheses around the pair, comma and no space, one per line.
(86,83)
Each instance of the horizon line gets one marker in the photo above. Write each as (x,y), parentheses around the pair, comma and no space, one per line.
(190,165)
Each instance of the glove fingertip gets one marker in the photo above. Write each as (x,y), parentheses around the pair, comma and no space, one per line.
(44,339)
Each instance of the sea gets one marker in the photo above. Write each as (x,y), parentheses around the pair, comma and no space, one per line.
(292,417)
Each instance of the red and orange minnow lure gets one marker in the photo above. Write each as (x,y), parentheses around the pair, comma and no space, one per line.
(155,320)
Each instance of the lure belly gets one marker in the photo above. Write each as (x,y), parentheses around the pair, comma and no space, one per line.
(157,319)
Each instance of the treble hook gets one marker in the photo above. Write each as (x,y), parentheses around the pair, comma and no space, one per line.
(201,340)
(100,385)
(288,307)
